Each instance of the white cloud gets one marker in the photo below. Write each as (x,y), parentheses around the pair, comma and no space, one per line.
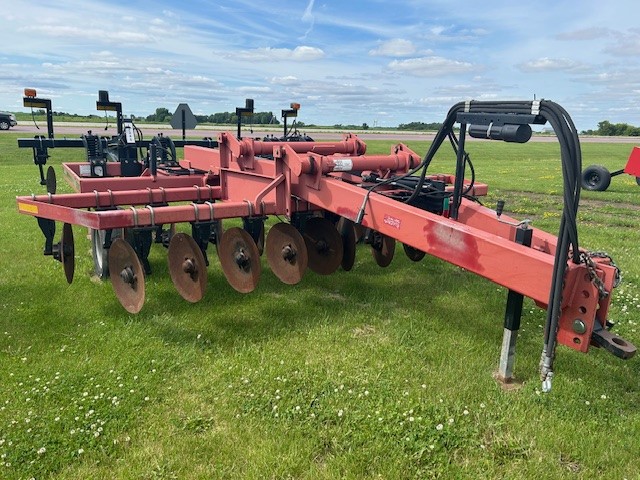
(76,33)
(309,18)
(591,33)
(301,53)
(547,64)
(626,44)
(431,66)
(288,80)
(254,89)
(397,47)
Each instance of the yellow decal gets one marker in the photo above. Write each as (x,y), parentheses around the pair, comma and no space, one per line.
(27,207)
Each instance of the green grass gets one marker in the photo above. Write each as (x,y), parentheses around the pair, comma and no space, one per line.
(375,373)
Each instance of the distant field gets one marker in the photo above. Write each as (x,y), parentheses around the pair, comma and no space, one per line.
(373,373)
(79,127)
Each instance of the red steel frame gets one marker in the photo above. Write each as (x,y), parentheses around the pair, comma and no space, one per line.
(307,177)
(633,164)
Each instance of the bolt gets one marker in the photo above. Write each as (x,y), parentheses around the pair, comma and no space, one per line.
(189,266)
(242,259)
(579,326)
(127,275)
(288,253)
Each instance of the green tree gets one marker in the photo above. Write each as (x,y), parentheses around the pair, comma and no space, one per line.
(162,115)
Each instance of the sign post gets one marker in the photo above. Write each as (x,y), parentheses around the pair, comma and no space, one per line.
(183,118)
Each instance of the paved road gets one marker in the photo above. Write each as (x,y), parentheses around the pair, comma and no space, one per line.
(75,130)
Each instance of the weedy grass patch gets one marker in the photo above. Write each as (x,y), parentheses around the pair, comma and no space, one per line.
(372,373)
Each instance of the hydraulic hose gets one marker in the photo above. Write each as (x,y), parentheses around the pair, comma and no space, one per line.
(571,162)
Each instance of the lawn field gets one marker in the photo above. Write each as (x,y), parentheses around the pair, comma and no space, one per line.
(373,373)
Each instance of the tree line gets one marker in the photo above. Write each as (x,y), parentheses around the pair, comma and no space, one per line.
(163,115)
(608,129)
(420,126)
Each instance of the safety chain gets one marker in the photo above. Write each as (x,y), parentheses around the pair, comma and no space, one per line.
(587,259)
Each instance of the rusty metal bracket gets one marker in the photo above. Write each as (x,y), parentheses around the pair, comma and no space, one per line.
(613,343)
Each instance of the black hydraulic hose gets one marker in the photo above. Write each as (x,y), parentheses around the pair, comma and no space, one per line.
(570,147)
(571,164)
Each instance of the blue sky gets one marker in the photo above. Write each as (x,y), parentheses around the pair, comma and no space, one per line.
(379,62)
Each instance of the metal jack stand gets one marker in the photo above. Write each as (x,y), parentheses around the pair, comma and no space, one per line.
(512,316)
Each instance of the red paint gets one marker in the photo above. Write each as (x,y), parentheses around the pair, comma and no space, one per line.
(633,164)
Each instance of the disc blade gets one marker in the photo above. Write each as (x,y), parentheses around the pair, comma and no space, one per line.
(286,253)
(240,259)
(99,253)
(324,245)
(383,249)
(67,249)
(187,267)
(413,254)
(348,234)
(127,276)
(51,180)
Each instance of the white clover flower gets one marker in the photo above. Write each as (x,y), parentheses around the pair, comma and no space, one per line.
(439,427)
(80,451)
(340,412)
(465,412)
(41,450)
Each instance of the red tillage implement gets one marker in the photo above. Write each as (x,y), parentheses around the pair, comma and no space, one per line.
(332,193)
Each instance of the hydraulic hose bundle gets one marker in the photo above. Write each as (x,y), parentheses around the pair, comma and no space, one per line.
(538,112)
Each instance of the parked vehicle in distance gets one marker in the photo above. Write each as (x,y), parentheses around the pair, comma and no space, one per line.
(7,120)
